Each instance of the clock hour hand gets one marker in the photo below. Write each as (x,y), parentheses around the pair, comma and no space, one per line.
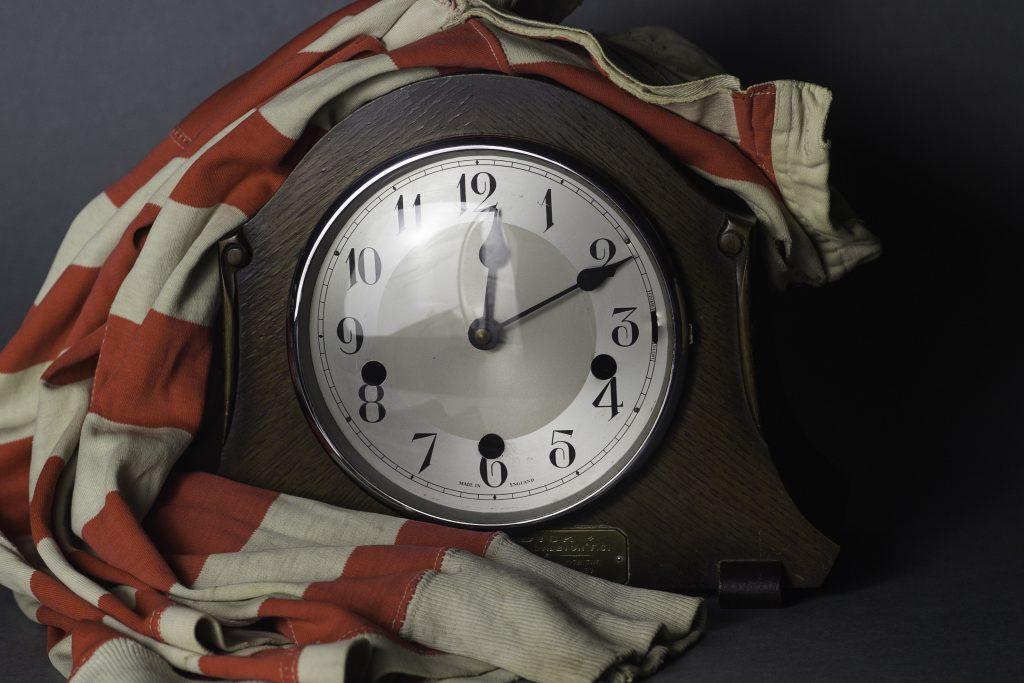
(494,253)
(587,280)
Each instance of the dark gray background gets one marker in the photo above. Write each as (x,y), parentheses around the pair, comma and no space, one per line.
(906,375)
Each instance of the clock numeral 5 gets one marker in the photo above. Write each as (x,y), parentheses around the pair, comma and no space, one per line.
(564,453)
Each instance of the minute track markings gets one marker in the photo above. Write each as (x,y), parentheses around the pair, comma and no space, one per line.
(353,227)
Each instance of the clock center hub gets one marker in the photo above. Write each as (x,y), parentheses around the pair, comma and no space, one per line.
(528,375)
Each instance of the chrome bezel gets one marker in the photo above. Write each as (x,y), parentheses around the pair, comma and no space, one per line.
(330,434)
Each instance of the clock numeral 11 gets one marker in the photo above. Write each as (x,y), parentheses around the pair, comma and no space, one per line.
(400,212)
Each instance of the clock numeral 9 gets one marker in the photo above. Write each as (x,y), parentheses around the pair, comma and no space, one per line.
(368,274)
(350,334)
(482,185)
(628,331)
(603,250)
(564,453)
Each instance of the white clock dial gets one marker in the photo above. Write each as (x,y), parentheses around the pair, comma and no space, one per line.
(483,335)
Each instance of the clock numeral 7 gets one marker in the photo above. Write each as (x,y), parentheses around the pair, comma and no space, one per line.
(430,449)
(564,453)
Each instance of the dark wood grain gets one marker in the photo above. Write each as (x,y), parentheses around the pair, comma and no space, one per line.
(710,492)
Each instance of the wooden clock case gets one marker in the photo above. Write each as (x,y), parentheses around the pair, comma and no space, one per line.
(709,493)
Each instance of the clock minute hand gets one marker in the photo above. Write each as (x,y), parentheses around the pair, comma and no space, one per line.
(494,253)
(587,280)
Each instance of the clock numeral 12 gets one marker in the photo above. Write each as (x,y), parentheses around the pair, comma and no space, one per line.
(482,185)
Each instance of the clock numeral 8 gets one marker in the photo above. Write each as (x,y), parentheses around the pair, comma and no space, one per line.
(378,408)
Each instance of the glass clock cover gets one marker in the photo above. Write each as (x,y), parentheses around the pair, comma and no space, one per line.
(484,335)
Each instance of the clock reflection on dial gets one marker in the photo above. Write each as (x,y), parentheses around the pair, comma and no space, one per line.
(486,335)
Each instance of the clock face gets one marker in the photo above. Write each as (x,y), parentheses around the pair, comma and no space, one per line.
(483,335)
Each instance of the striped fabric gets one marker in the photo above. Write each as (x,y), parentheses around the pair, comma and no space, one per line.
(144,574)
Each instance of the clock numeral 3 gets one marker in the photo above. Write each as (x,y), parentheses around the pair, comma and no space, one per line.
(350,334)
(366,266)
(564,453)
(482,185)
(628,332)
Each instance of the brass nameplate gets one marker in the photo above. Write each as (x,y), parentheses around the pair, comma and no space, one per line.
(601,551)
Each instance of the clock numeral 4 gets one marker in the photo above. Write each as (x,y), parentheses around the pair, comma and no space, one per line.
(564,453)
(612,390)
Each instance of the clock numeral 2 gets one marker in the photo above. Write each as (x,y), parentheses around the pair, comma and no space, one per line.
(400,211)
(603,250)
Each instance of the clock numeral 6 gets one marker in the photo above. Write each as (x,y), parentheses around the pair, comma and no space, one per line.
(564,453)
(350,334)
(481,184)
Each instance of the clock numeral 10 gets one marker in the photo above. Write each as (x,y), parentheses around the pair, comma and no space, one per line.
(365,267)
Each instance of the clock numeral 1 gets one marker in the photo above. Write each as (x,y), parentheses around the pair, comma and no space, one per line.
(357,266)
(564,453)
(430,449)
(549,218)
(400,211)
